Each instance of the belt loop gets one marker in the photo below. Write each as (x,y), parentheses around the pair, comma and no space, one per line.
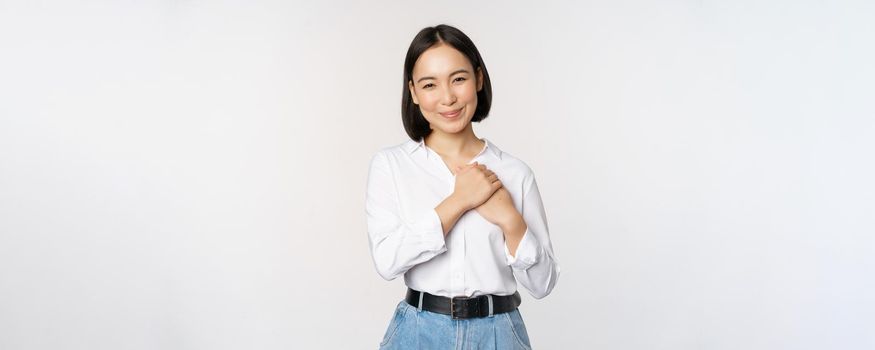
(419,308)
(489,297)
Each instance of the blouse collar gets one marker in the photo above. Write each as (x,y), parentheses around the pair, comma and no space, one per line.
(491,148)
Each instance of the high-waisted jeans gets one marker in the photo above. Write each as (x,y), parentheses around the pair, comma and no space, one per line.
(411,328)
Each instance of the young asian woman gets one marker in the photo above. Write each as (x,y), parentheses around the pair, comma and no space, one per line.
(459,218)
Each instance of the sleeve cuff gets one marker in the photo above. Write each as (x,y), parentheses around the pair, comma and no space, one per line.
(526,253)
(431,229)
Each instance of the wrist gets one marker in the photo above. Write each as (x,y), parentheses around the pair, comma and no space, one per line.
(459,203)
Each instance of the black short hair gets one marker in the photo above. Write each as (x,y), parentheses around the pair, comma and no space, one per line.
(415,124)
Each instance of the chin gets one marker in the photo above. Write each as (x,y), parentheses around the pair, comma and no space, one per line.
(454,129)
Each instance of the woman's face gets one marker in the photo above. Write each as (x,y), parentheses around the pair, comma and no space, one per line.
(445,87)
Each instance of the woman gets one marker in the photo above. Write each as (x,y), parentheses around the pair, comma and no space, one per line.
(458,217)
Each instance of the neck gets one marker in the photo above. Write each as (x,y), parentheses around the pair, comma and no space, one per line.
(454,145)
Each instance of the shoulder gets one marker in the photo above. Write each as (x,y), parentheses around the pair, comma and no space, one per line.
(396,151)
(515,170)
(513,164)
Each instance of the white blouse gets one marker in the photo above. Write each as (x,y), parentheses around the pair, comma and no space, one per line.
(406,182)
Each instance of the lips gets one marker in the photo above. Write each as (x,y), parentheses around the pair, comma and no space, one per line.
(452,114)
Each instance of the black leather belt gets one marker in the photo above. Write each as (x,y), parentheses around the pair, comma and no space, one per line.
(462,307)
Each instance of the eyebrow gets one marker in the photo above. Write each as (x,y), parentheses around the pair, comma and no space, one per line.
(463,70)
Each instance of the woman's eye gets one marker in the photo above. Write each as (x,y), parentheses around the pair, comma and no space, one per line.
(426,86)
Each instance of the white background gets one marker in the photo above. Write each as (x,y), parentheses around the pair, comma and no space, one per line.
(191,174)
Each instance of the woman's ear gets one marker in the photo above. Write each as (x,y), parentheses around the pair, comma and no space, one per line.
(412,92)
(479,78)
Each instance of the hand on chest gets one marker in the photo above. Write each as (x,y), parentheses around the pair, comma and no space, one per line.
(423,189)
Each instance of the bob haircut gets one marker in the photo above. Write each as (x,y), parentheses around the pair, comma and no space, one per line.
(415,124)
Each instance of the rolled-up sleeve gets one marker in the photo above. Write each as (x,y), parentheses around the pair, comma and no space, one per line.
(534,265)
(396,244)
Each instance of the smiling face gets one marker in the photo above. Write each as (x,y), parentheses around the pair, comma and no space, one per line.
(445,86)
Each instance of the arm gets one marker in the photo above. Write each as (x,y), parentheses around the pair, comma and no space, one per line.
(450,210)
(397,245)
(533,262)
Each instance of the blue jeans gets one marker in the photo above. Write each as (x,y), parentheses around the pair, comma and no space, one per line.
(411,328)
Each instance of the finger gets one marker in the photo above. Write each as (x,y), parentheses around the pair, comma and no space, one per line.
(492,178)
(496,185)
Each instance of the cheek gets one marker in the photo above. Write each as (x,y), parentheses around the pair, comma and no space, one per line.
(427,101)
(468,93)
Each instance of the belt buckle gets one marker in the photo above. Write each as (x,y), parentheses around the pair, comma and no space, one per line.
(453,314)
(468,313)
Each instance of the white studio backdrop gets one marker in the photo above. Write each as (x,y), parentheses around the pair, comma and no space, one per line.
(191,174)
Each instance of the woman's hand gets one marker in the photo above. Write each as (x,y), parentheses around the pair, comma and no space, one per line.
(499,209)
(475,184)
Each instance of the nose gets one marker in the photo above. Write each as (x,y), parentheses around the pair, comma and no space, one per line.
(449,97)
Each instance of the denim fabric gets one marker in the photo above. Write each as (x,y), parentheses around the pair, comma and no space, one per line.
(411,328)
